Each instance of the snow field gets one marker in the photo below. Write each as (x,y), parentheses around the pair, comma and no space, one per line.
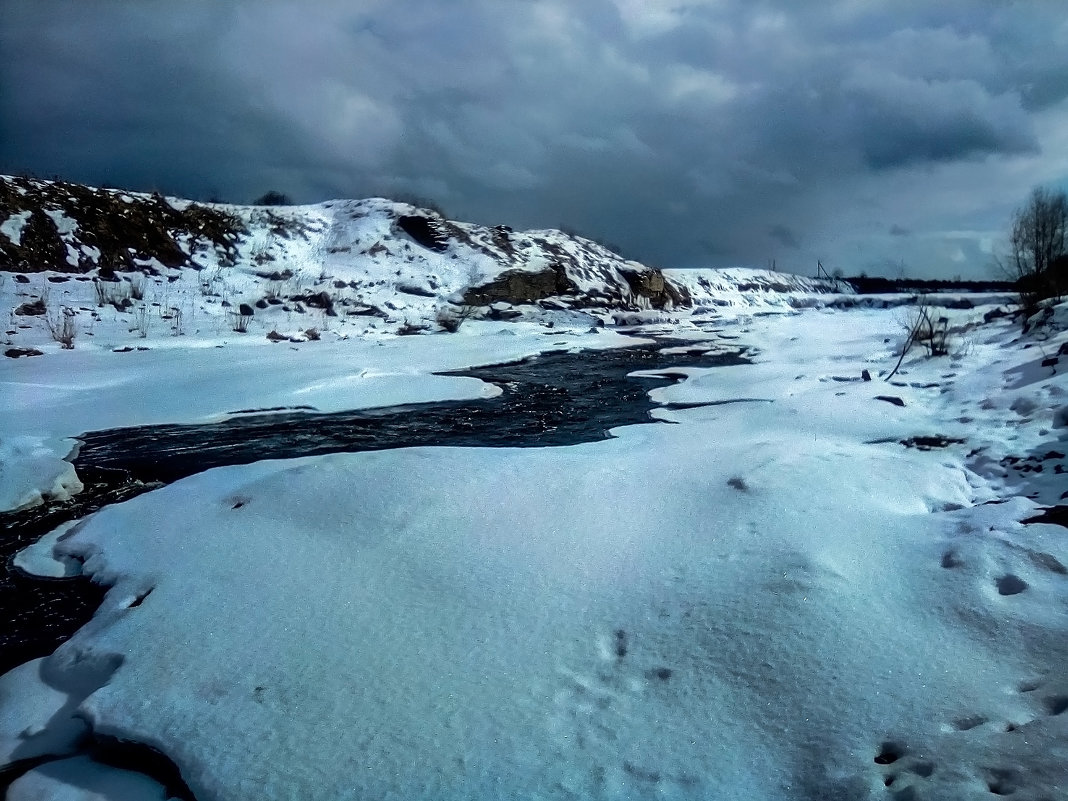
(771,599)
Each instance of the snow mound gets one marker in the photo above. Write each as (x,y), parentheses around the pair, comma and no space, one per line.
(82,779)
(34,469)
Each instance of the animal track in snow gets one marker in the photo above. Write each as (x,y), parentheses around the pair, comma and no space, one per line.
(1011,584)
(969,722)
(1056,705)
(889,753)
(951,560)
(1002,781)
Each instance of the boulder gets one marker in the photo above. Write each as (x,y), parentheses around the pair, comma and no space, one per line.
(33,308)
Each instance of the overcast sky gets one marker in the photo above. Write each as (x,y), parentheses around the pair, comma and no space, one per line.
(884,136)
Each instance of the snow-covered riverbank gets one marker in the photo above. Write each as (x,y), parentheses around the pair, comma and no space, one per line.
(810,592)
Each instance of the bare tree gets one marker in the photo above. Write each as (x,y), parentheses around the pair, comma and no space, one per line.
(1037,241)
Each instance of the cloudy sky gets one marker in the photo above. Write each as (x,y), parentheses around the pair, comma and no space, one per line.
(887,136)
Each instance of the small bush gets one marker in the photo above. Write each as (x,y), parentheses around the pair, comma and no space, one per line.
(139,323)
(113,293)
(101,293)
(62,326)
(137,287)
(241,322)
(924,329)
(450,319)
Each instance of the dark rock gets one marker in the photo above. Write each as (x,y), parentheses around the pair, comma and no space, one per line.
(1050,362)
(891,399)
(927,443)
(125,232)
(517,286)
(317,300)
(651,284)
(32,308)
(21,279)
(15,353)
(415,289)
(245,310)
(284,275)
(274,301)
(58,279)
(368,311)
(274,336)
(503,311)
(340,285)
(865,375)
(425,231)
(261,304)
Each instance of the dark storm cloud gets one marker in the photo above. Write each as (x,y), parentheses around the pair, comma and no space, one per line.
(784,236)
(687,134)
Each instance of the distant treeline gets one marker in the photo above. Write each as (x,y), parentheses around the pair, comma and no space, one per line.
(865,285)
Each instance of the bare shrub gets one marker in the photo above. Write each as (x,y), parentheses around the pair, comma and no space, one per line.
(137,287)
(451,318)
(139,323)
(113,293)
(101,293)
(62,326)
(925,329)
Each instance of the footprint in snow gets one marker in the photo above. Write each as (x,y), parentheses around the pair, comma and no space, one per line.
(1010,584)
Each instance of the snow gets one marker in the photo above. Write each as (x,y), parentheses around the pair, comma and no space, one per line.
(13,225)
(771,599)
(36,719)
(64,224)
(39,558)
(91,389)
(34,468)
(82,779)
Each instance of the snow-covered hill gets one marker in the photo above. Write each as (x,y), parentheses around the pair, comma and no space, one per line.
(371,259)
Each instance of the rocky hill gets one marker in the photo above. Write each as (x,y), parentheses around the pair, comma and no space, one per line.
(371,257)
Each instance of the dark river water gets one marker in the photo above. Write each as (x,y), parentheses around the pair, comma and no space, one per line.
(554,399)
